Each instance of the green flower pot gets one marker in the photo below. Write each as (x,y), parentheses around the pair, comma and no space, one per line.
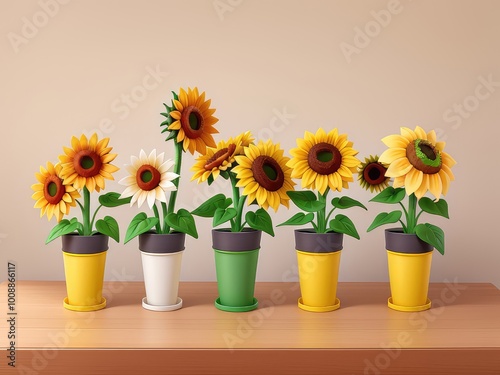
(236,256)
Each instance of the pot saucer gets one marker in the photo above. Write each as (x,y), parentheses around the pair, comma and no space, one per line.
(222,307)
(319,308)
(176,306)
(99,306)
(391,305)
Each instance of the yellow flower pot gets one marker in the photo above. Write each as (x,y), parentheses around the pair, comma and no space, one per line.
(409,263)
(318,259)
(84,263)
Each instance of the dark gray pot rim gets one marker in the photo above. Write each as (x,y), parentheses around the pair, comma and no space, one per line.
(152,242)
(399,242)
(225,240)
(309,241)
(73,243)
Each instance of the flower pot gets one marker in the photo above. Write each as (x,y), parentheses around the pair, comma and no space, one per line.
(84,263)
(409,260)
(318,259)
(161,256)
(236,256)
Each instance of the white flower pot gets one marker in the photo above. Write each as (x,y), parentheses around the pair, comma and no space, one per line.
(162,272)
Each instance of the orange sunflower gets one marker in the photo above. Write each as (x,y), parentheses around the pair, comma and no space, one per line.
(418,162)
(194,120)
(87,163)
(51,195)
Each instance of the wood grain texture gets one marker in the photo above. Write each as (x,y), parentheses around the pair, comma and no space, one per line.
(459,335)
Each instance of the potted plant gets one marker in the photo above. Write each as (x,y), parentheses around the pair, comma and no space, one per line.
(82,168)
(323,162)
(189,124)
(258,175)
(418,164)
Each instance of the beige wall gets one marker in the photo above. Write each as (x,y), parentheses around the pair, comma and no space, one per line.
(275,67)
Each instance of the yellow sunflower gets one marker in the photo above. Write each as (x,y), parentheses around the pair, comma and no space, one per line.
(324,160)
(87,163)
(220,158)
(417,162)
(52,197)
(194,120)
(246,139)
(371,174)
(263,173)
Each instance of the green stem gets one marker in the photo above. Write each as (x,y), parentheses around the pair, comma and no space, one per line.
(157,215)
(94,216)
(237,203)
(177,170)
(164,212)
(412,214)
(87,229)
(322,213)
(418,216)
(404,209)
(329,214)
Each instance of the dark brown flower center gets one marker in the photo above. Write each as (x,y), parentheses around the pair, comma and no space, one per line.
(148,177)
(268,173)
(53,190)
(374,173)
(192,122)
(324,158)
(218,158)
(87,163)
(424,156)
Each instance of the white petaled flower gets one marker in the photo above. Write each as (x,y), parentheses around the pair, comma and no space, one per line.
(149,179)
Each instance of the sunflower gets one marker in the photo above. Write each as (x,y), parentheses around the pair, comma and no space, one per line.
(246,139)
(324,160)
(371,174)
(263,173)
(220,158)
(417,162)
(149,179)
(51,195)
(87,163)
(194,120)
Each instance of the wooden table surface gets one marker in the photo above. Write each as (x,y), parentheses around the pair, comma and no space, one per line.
(459,335)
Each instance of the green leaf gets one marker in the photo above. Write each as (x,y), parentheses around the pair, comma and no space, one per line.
(210,179)
(431,234)
(342,224)
(306,200)
(260,220)
(109,227)
(140,224)
(63,227)
(435,208)
(298,219)
(346,202)
(172,135)
(182,221)
(113,200)
(208,208)
(224,174)
(223,215)
(389,195)
(385,218)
